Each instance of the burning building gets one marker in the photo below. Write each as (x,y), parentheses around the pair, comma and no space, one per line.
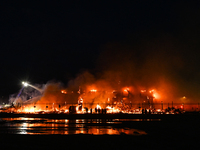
(87,98)
(89,95)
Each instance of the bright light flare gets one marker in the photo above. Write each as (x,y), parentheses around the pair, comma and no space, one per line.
(25,83)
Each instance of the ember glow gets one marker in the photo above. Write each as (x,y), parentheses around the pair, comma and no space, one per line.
(93,90)
(142,91)
(151,91)
(126,90)
(63,91)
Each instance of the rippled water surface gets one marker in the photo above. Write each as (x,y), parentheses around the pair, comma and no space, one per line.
(68,126)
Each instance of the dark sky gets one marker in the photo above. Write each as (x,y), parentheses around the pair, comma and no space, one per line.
(44,41)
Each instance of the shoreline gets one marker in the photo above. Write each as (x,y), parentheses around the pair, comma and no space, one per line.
(188,115)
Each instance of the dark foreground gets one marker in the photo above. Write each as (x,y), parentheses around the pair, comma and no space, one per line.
(158,140)
(179,132)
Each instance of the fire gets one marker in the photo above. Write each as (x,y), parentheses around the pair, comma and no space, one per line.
(111,109)
(77,108)
(142,91)
(151,91)
(93,90)
(95,98)
(156,95)
(98,106)
(63,91)
(126,90)
(27,110)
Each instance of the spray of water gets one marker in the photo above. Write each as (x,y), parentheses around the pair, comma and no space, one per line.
(27,84)
(19,93)
(34,96)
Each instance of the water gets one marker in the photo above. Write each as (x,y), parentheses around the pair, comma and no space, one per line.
(43,126)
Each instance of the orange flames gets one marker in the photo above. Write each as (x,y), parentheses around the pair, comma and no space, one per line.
(29,110)
(98,106)
(98,95)
(126,90)
(93,90)
(63,91)
(142,91)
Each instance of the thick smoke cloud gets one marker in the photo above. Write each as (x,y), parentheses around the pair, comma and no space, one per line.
(150,63)
(140,64)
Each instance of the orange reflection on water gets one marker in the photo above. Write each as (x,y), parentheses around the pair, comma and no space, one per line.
(65,126)
(115,131)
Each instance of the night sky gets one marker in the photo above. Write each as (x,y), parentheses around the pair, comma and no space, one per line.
(43,41)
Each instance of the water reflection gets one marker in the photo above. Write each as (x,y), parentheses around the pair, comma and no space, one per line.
(68,126)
